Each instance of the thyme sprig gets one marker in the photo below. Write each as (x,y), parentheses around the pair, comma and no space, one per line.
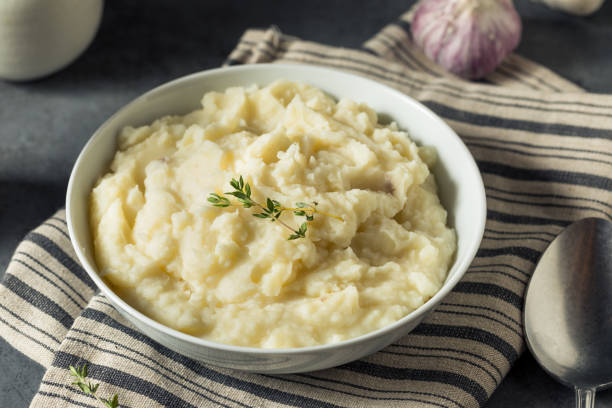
(272,209)
(80,373)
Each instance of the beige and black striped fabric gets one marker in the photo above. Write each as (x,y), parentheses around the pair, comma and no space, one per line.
(544,148)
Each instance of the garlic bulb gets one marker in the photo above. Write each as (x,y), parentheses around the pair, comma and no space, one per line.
(467,37)
(578,7)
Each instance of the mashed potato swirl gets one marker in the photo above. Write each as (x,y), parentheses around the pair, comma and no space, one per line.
(224,275)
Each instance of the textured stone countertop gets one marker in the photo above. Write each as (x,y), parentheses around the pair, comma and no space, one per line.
(45,123)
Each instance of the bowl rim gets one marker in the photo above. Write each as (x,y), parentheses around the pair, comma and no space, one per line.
(447,287)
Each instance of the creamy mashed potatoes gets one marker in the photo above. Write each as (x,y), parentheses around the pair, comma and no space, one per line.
(224,275)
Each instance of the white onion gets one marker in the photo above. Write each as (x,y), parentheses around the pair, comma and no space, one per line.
(467,37)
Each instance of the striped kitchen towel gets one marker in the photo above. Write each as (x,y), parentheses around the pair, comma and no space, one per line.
(544,148)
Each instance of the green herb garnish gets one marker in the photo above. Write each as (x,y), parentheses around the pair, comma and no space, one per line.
(272,210)
(80,373)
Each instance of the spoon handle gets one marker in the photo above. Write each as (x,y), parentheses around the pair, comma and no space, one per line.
(585,397)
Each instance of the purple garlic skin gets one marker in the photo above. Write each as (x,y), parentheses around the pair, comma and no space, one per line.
(467,37)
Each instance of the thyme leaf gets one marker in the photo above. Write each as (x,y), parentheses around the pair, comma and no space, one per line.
(272,209)
(80,374)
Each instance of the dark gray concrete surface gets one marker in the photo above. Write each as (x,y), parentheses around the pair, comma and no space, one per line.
(45,123)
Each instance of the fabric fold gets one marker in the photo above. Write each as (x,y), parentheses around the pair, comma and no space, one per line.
(43,291)
(544,148)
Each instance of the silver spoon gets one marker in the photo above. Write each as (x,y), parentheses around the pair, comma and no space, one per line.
(568,309)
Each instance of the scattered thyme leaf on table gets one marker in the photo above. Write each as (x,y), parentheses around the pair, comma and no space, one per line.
(79,374)
(272,209)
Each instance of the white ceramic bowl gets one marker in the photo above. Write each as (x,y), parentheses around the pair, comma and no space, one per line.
(460,187)
(39,37)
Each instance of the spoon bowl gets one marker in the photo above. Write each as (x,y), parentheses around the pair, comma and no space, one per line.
(568,308)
